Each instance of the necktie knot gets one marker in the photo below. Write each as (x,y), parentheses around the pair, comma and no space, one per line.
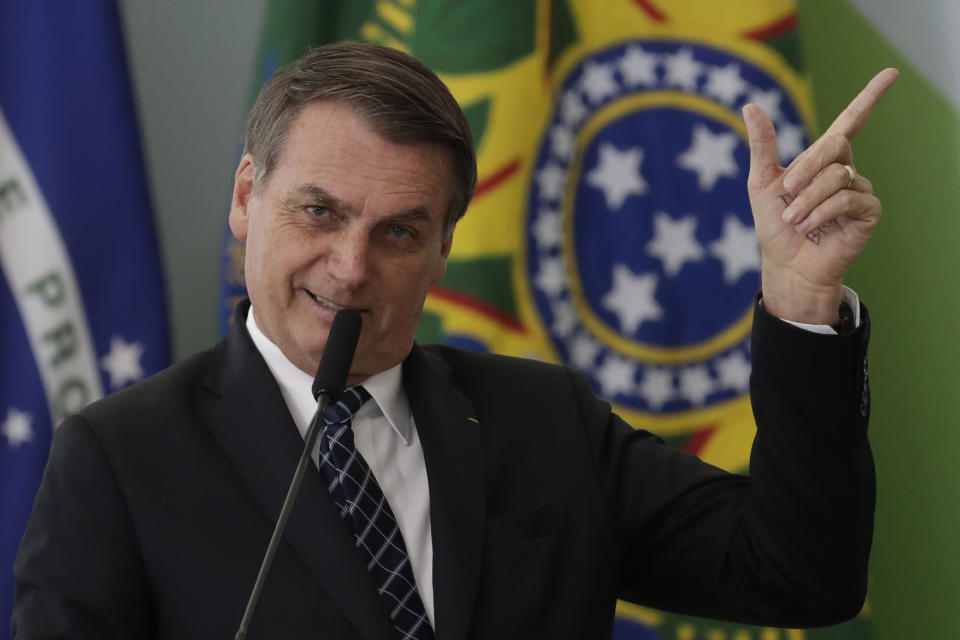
(346,405)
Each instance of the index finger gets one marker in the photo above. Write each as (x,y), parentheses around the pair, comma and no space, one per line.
(852,119)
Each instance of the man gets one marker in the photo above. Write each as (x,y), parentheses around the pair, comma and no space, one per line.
(524,506)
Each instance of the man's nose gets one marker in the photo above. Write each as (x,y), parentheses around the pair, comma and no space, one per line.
(349,259)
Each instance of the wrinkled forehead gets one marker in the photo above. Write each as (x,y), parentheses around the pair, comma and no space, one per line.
(331,152)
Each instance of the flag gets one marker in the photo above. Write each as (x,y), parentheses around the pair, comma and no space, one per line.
(81,298)
(910,150)
(610,229)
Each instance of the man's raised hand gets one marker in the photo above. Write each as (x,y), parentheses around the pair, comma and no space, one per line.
(814,217)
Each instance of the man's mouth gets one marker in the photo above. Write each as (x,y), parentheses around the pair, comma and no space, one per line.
(330,304)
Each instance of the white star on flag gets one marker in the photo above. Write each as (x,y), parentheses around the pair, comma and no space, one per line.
(616,375)
(682,70)
(733,371)
(564,319)
(546,229)
(657,387)
(696,384)
(725,83)
(789,142)
(550,180)
(638,67)
(738,249)
(123,362)
(632,297)
(617,174)
(551,277)
(769,101)
(561,142)
(583,351)
(597,81)
(710,156)
(17,428)
(674,242)
(572,108)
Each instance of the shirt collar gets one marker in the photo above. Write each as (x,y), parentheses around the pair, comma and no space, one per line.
(386,387)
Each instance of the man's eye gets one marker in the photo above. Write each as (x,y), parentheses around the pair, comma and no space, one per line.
(317,211)
(399,232)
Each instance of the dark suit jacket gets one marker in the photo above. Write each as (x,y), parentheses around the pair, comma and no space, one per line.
(157,504)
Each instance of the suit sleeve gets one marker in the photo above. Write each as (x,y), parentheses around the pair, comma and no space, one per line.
(78,571)
(788,545)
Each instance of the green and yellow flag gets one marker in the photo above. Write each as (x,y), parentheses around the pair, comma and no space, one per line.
(610,229)
(907,277)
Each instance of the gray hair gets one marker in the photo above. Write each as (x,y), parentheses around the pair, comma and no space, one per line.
(403,101)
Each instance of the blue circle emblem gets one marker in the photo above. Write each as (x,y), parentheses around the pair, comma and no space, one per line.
(640,248)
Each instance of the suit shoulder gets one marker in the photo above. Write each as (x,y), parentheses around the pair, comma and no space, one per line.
(472,368)
(455,358)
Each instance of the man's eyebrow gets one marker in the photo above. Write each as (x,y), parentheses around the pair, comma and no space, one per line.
(322,196)
(415,214)
(319,194)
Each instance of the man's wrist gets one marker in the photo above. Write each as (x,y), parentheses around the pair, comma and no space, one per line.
(799,301)
(850,303)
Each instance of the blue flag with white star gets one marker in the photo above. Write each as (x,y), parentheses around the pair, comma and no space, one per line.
(81,298)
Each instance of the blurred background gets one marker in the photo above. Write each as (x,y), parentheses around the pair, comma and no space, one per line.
(194,66)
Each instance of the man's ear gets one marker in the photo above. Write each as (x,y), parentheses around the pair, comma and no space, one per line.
(242,192)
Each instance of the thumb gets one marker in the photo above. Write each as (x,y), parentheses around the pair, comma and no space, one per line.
(764,165)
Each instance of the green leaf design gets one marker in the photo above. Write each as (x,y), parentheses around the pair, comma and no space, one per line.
(563,29)
(429,329)
(477,114)
(788,46)
(472,36)
(487,279)
(291,27)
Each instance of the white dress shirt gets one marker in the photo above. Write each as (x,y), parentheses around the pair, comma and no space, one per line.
(386,437)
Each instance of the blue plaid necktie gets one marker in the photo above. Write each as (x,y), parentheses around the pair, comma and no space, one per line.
(365,510)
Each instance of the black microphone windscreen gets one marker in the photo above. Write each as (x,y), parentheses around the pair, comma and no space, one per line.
(338,354)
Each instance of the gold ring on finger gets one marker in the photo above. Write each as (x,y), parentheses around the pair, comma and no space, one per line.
(852,173)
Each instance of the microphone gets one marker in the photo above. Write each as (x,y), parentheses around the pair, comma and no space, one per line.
(338,354)
(328,384)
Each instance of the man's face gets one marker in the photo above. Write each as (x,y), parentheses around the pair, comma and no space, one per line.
(346,219)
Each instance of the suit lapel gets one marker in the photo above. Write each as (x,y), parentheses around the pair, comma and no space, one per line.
(254,428)
(450,436)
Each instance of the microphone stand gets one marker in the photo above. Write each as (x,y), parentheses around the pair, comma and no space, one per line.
(310,441)
(328,383)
